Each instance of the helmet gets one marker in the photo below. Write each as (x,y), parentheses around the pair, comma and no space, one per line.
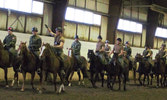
(59,29)
(10,28)
(164,45)
(107,41)
(127,42)
(99,37)
(147,46)
(119,39)
(34,29)
(76,37)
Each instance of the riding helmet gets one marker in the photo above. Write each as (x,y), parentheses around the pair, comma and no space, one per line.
(119,39)
(164,45)
(59,29)
(99,37)
(10,28)
(34,29)
(76,37)
(127,42)
(107,41)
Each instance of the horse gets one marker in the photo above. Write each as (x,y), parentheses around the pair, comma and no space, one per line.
(144,68)
(28,64)
(82,67)
(51,64)
(5,64)
(116,69)
(96,67)
(159,69)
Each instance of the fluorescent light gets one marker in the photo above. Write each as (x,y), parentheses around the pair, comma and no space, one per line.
(161,32)
(25,5)
(2,2)
(130,26)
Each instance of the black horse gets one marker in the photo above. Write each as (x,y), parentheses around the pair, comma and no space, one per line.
(144,68)
(116,69)
(96,67)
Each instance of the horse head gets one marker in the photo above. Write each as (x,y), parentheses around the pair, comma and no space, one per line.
(138,57)
(22,47)
(157,58)
(45,49)
(90,54)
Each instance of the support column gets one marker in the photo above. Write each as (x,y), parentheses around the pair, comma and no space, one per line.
(152,23)
(59,9)
(114,14)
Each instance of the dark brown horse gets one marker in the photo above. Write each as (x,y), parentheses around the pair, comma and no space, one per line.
(116,69)
(159,69)
(51,64)
(5,63)
(96,67)
(28,64)
(78,68)
(144,68)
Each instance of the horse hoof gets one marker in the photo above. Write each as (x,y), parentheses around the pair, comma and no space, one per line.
(7,86)
(22,90)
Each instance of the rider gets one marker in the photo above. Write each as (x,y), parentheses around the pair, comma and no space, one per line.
(9,44)
(35,43)
(163,52)
(100,45)
(107,47)
(118,49)
(128,49)
(58,46)
(76,47)
(147,53)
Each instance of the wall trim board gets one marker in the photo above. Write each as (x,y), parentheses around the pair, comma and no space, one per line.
(7,19)
(81,23)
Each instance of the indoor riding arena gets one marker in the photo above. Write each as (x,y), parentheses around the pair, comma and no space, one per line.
(83,49)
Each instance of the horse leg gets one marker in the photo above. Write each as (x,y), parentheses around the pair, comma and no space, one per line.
(6,77)
(79,75)
(113,83)
(157,80)
(151,79)
(148,80)
(69,82)
(55,77)
(32,80)
(161,80)
(134,75)
(108,81)
(24,77)
(102,79)
(144,79)
(15,77)
(62,84)
(140,79)
(119,79)
(125,82)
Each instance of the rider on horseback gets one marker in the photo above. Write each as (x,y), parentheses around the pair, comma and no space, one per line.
(118,49)
(107,47)
(147,54)
(35,43)
(76,47)
(9,44)
(163,52)
(58,46)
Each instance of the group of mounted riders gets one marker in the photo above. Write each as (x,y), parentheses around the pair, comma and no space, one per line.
(118,65)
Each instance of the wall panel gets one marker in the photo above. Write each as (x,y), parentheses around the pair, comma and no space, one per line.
(104,27)
(137,39)
(102,7)
(3,18)
(33,22)
(83,32)
(94,33)
(90,4)
(71,2)
(80,3)
(69,30)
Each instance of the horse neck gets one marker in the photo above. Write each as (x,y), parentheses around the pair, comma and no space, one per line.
(27,54)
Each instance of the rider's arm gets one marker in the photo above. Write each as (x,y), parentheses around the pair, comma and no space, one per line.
(60,46)
(102,48)
(149,54)
(122,52)
(51,33)
(112,51)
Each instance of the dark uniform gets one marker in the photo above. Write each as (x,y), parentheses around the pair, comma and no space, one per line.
(148,58)
(162,53)
(107,47)
(128,50)
(35,43)
(9,44)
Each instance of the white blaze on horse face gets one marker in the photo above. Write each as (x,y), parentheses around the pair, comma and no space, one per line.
(43,48)
(69,52)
